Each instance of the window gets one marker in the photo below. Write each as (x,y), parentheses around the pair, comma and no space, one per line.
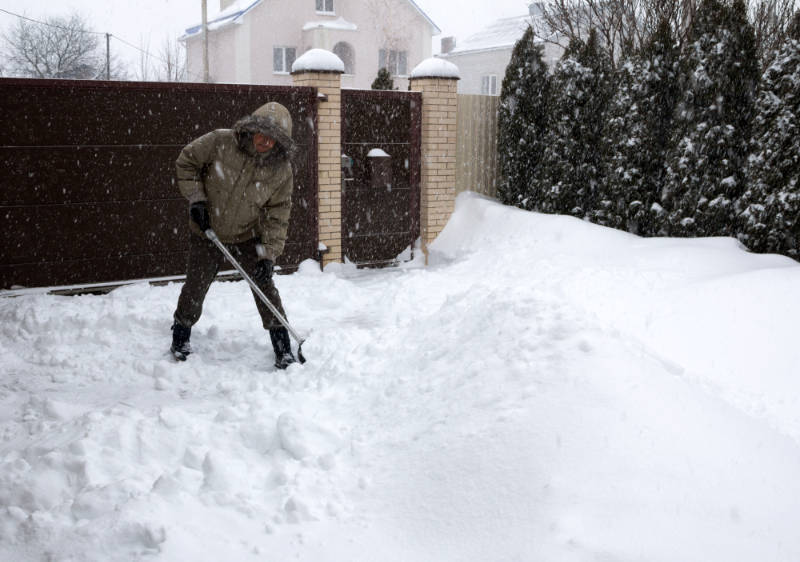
(345,52)
(283,58)
(396,62)
(325,6)
(489,85)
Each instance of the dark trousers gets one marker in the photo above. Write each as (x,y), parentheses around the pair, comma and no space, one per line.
(205,261)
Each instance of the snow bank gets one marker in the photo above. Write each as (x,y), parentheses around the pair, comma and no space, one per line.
(545,389)
(672,296)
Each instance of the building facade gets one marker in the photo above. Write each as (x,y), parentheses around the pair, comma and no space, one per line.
(256,41)
(483,57)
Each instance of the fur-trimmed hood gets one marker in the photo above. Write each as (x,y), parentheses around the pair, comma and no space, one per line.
(271,119)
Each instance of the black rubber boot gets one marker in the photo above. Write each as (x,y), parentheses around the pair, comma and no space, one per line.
(282,346)
(180,347)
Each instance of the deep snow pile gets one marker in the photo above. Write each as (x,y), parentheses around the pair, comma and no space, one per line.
(545,389)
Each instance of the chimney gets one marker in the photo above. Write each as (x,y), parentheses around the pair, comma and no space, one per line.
(448,44)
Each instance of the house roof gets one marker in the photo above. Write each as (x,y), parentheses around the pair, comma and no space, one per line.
(436,30)
(230,15)
(236,11)
(500,34)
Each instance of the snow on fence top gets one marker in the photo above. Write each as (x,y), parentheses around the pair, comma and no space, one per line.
(318,60)
(435,68)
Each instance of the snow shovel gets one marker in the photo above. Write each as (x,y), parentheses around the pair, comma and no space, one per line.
(213,237)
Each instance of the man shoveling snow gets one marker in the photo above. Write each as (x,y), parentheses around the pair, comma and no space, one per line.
(239,184)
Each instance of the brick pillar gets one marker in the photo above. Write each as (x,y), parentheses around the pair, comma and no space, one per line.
(437,80)
(320,69)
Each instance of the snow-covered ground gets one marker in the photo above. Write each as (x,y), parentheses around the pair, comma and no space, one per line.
(545,390)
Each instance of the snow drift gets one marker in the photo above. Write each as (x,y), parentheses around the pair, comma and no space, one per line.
(545,389)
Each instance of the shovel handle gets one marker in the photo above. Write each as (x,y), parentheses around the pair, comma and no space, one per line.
(211,235)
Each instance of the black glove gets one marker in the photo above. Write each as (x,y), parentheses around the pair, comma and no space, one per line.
(264,270)
(199,213)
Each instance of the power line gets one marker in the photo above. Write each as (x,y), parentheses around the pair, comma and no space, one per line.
(111,35)
(50,24)
(121,40)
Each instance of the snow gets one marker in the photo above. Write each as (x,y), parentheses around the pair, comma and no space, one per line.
(230,15)
(377,153)
(435,68)
(545,389)
(500,34)
(340,24)
(318,60)
(237,7)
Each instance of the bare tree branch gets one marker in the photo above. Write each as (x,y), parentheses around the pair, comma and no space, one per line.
(144,72)
(392,21)
(625,25)
(173,61)
(59,47)
(770,19)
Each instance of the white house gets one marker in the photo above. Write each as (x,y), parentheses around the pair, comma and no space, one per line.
(256,41)
(483,57)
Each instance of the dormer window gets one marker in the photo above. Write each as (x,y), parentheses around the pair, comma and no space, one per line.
(325,6)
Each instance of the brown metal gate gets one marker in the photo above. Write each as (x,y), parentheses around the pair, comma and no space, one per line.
(381,134)
(87,189)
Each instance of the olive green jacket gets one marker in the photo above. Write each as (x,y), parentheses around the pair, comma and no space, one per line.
(249,195)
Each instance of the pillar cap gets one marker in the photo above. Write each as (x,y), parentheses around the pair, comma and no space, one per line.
(318,60)
(435,67)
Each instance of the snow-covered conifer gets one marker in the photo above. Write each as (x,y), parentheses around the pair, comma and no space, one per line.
(771,218)
(570,174)
(637,133)
(522,118)
(706,164)
(383,81)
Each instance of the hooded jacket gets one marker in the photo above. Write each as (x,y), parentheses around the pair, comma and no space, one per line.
(249,195)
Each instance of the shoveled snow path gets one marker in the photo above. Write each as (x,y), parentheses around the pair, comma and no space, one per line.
(482,408)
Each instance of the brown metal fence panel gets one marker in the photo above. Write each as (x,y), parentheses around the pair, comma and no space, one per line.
(88,192)
(476,150)
(381,133)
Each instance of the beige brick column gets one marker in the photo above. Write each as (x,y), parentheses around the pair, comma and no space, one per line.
(437,80)
(319,69)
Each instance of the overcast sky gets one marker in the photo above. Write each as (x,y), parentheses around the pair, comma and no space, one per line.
(144,22)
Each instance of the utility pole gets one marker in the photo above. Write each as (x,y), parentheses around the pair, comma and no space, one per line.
(205,41)
(108,56)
